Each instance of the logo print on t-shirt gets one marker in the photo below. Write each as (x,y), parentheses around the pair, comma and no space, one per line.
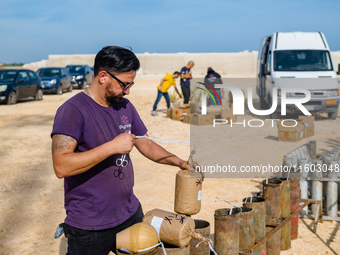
(125,120)
(212,78)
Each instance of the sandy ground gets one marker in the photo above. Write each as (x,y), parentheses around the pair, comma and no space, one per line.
(31,197)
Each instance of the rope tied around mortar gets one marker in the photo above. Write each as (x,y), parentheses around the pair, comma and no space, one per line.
(231,209)
(202,239)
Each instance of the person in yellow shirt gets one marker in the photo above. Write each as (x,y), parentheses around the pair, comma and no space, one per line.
(162,90)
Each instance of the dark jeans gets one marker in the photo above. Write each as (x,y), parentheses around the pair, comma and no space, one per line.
(97,242)
(186,94)
(159,96)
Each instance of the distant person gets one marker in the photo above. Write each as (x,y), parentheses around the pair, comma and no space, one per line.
(163,87)
(212,78)
(186,75)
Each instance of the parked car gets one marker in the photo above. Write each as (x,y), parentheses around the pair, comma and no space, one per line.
(55,79)
(81,75)
(298,60)
(16,84)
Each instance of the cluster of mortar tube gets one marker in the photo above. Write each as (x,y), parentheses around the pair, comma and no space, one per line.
(319,177)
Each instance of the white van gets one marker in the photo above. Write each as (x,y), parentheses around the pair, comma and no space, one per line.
(300,60)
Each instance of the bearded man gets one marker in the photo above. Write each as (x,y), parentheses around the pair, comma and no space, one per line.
(93,134)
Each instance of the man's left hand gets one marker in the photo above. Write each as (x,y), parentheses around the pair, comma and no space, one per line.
(185,166)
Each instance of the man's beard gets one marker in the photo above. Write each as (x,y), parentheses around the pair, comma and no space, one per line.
(111,98)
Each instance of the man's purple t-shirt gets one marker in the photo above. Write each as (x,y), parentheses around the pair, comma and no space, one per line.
(101,197)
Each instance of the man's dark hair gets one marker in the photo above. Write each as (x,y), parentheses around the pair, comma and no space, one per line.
(176,72)
(115,59)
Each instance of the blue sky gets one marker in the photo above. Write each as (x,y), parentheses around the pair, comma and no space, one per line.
(31,30)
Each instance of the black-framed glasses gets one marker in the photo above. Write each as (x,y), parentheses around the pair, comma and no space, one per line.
(125,85)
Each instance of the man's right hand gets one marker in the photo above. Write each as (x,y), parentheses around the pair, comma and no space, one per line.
(124,143)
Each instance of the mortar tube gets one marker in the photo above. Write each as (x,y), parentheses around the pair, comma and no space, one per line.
(294,205)
(325,161)
(289,162)
(336,154)
(297,153)
(226,234)
(272,193)
(333,155)
(246,228)
(302,163)
(258,204)
(316,186)
(202,227)
(338,151)
(286,229)
(308,155)
(313,149)
(309,148)
(304,195)
(306,150)
(294,157)
(332,193)
(326,158)
(273,245)
(289,155)
(302,152)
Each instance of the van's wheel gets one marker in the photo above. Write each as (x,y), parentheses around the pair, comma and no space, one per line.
(70,89)
(333,115)
(60,90)
(12,98)
(263,104)
(39,95)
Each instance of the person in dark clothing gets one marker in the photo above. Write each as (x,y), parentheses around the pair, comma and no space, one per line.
(186,75)
(211,79)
